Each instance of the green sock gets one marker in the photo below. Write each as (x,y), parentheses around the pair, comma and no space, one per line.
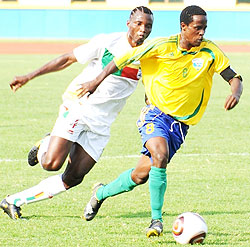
(157,188)
(123,183)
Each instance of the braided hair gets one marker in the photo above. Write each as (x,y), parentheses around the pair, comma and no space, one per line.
(187,13)
(142,9)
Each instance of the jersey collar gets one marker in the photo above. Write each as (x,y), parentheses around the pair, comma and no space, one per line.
(192,51)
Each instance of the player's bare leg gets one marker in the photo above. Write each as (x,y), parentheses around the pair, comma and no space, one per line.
(124,183)
(79,164)
(55,156)
(51,152)
(141,172)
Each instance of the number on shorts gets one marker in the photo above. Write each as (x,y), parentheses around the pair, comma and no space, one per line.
(149,128)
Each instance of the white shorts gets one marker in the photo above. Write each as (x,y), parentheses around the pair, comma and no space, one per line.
(71,126)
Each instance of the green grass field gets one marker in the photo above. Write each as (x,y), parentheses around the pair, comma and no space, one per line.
(209,175)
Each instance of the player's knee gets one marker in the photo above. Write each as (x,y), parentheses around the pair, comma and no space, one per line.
(160,159)
(51,165)
(139,178)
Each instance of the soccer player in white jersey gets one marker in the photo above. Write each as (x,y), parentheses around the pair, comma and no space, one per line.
(82,128)
(177,74)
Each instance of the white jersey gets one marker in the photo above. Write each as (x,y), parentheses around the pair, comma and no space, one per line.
(101,108)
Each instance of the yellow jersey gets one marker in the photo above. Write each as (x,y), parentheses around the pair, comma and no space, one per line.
(177,81)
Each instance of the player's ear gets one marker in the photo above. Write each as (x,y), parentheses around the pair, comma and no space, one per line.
(183,26)
(128,23)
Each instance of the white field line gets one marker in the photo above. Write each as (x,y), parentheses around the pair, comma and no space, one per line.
(182,155)
(137,156)
(12,160)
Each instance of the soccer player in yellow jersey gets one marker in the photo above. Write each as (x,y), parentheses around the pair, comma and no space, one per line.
(177,74)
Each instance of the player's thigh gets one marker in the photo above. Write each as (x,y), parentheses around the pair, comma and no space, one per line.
(83,156)
(80,162)
(159,150)
(58,150)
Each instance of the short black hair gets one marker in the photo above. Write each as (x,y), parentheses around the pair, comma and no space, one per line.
(187,13)
(142,9)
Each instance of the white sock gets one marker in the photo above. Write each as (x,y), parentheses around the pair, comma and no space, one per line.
(46,189)
(43,148)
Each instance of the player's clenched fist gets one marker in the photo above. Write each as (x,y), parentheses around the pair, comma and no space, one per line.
(18,82)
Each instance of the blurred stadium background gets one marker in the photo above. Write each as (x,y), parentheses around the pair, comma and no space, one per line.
(82,19)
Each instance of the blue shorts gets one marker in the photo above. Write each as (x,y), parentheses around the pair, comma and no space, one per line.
(154,123)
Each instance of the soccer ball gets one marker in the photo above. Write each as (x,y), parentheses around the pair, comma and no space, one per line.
(189,228)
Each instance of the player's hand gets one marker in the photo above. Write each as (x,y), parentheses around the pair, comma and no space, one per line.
(231,102)
(87,87)
(18,82)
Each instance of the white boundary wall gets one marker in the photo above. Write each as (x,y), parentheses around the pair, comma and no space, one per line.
(212,4)
(64,3)
(127,3)
(54,3)
(209,4)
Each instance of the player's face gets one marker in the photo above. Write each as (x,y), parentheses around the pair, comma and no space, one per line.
(192,34)
(139,28)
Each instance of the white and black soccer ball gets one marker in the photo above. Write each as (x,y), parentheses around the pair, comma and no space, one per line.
(189,228)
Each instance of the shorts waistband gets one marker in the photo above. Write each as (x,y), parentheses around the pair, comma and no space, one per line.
(159,111)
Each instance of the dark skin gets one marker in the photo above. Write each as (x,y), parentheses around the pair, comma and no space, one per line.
(79,162)
(191,36)
(139,28)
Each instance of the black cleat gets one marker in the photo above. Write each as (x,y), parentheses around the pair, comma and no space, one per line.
(93,205)
(155,229)
(32,155)
(13,211)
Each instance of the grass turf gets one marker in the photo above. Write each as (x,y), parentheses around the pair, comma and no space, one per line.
(209,175)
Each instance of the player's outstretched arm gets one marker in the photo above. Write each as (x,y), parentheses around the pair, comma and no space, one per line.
(91,86)
(56,64)
(236,89)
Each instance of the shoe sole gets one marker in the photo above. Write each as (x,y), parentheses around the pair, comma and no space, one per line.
(5,207)
(153,233)
(32,156)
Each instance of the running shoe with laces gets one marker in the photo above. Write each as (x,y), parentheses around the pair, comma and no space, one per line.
(155,229)
(12,210)
(93,205)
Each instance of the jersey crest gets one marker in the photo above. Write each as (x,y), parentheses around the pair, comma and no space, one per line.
(197,63)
